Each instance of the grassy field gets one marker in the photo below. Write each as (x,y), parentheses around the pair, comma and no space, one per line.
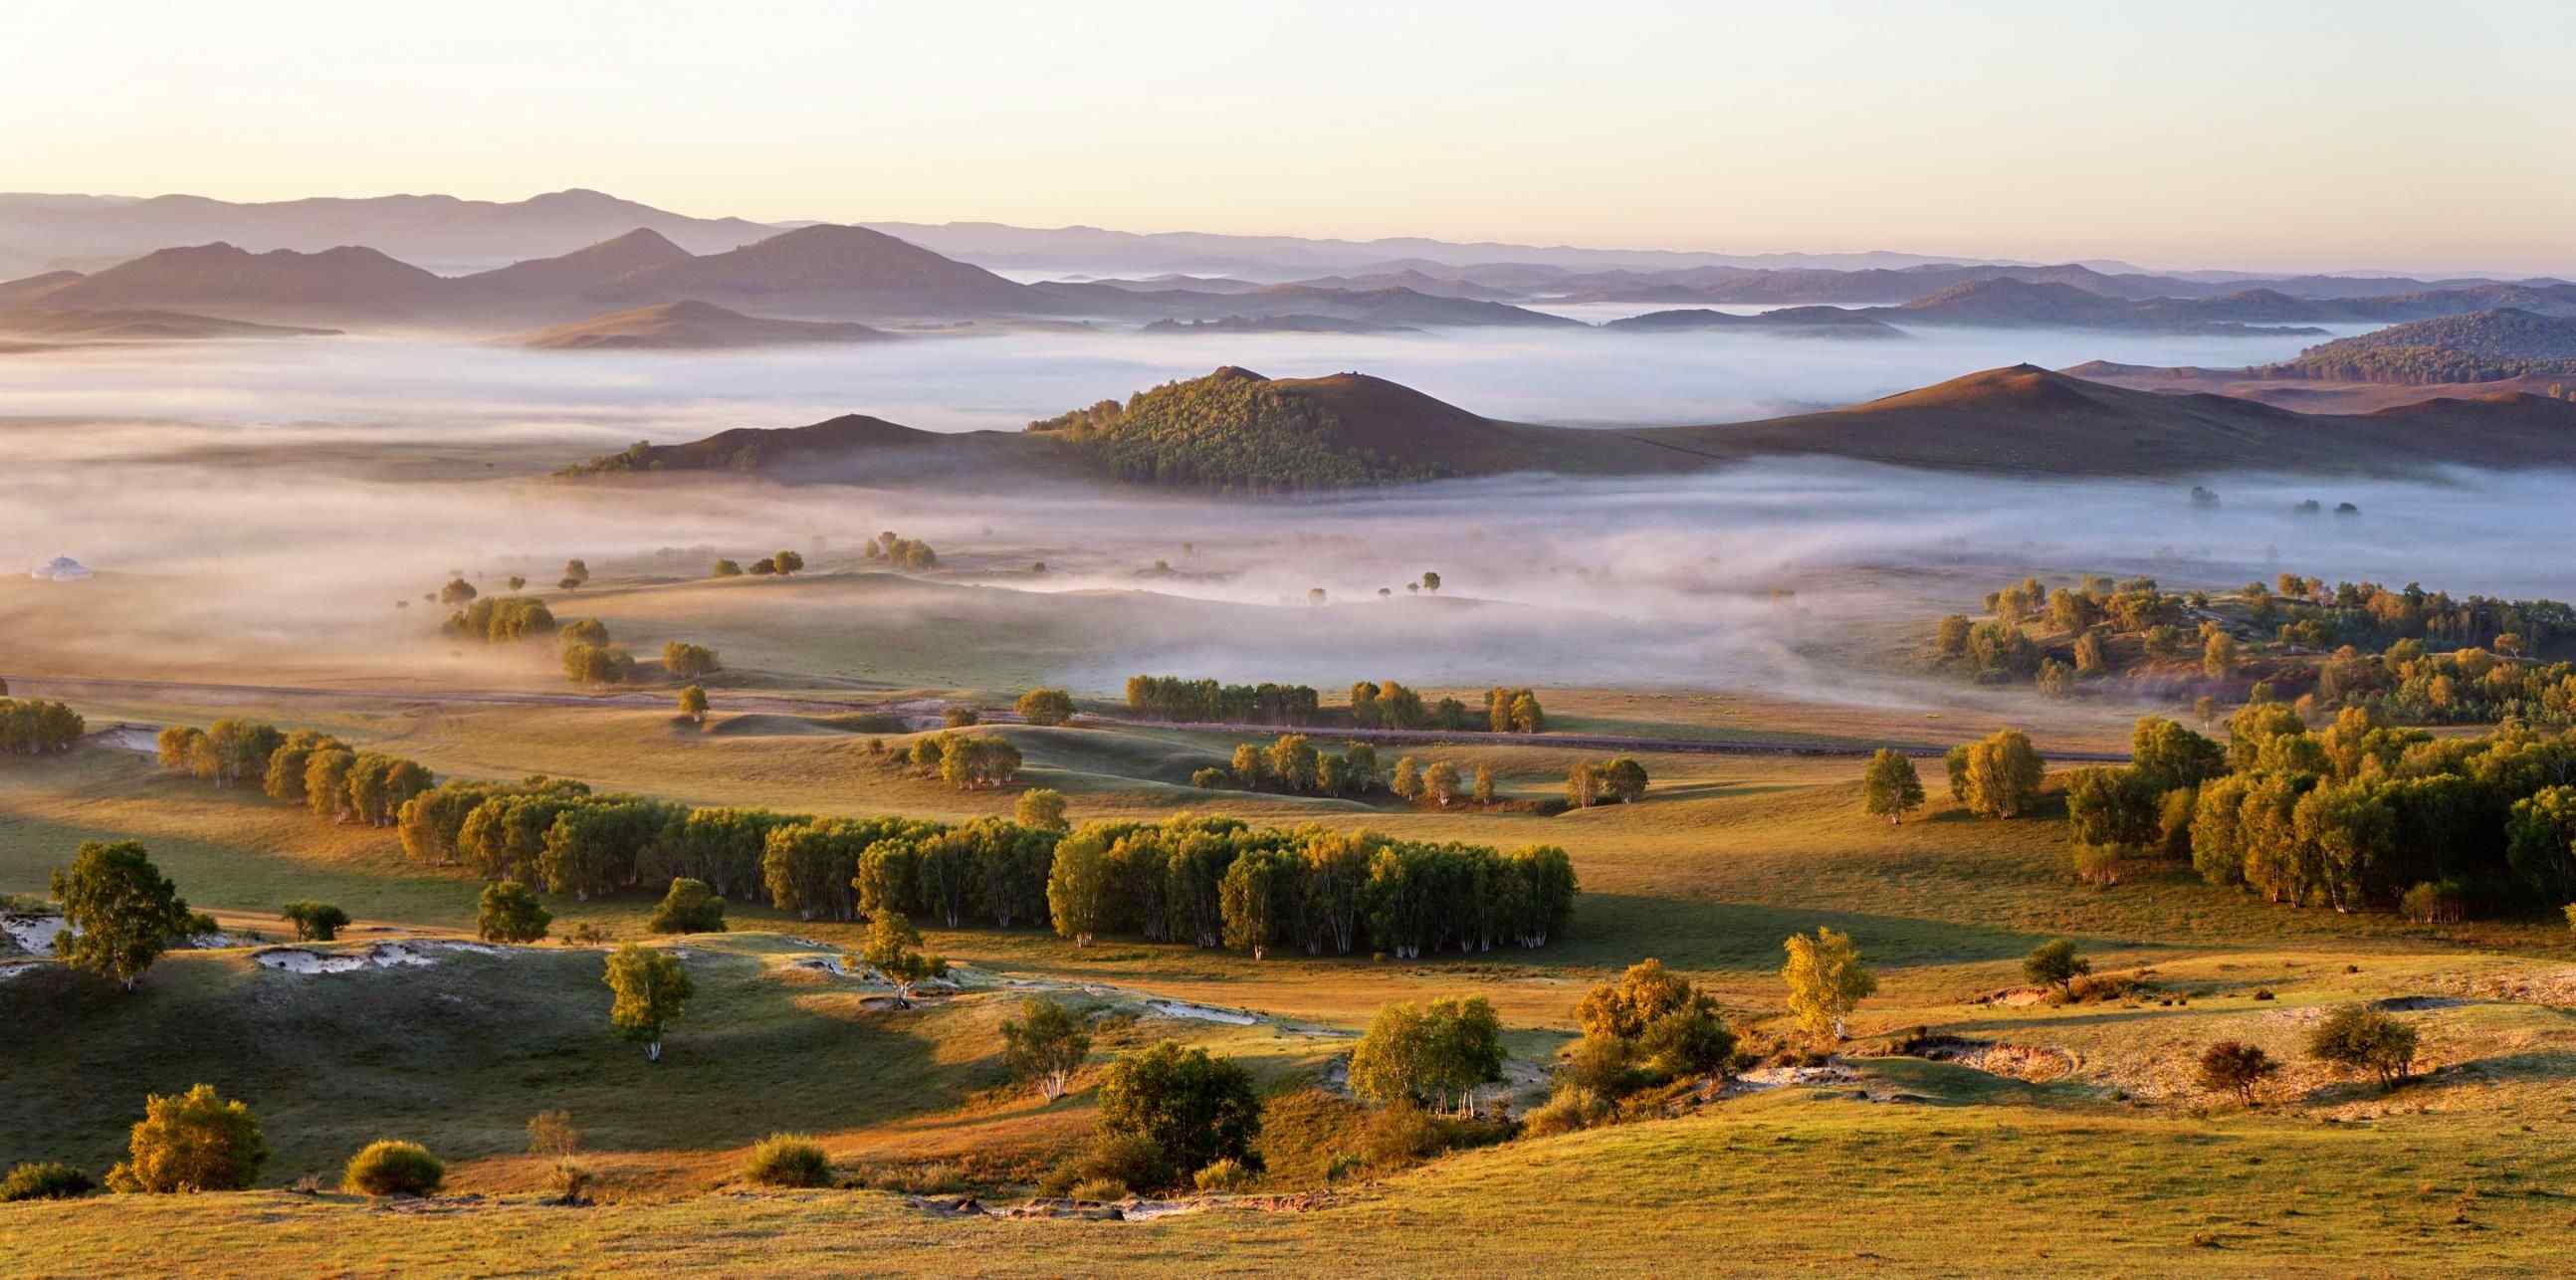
(2062,1138)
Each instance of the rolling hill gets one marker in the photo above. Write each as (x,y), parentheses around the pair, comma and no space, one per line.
(281,283)
(690,326)
(2007,302)
(138,326)
(828,270)
(2480,347)
(1237,431)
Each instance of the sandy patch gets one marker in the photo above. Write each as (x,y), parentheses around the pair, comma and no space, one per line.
(382,955)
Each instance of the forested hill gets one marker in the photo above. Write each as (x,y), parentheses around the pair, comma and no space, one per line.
(1236,430)
(2482,347)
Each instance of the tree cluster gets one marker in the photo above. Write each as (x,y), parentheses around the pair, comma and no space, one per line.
(1210,702)
(304,767)
(908,554)
(33,727)
(1227,433)
(498,619)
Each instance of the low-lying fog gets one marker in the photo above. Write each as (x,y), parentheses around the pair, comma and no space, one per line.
(1003,381)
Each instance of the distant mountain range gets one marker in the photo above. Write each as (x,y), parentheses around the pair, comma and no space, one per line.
(1238,431)
(690,326)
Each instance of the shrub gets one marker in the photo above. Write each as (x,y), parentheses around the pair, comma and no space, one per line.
(960,717)
(2442,902)
(1343,1166)
(390,1168)
(1570,1108)
(689,907)
(2232,1066)
(1225,1176)
(314,921)
(788,1160)
(1127,1159)
(1400,1134)
(45,1182)
(508,912)
(193,1141)
(1196,1109)
(1045,706)
(2358,1037)
(1214,779)
(1100,1190)
(2055,964)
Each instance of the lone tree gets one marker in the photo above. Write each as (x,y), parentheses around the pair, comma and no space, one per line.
(688,907)
(693,704)
(509,913)
(2232,1066)
(119,912)
(1041,808)
(2055,964)
(894,948)
(1429,1056)
(1430,580)
(1891,789)
(575,573)
(687,661)
(1045,706)
(786,562)
(1195,1109)
(651,992)
(1045,1046)
(2000,776)
(2358,1037)
(193,1141)
(1826,981)
(314,921)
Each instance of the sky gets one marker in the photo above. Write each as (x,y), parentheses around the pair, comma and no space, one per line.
(2366,134)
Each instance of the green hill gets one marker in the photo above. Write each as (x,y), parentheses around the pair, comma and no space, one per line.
(2483,347)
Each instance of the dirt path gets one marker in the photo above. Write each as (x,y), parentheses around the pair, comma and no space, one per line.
(926,716)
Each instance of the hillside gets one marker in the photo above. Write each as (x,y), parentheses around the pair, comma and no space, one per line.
(2020,303)
(2480,347)
(585,269)
(852,448)
(829,270)
(689,326)
(342,282)
(139,326)
(1796,322)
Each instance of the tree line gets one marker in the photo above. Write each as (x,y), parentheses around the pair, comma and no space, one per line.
(34,727)
(1373,705)
(304,767)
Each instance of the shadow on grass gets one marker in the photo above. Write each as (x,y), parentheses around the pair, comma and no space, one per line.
(1620,929)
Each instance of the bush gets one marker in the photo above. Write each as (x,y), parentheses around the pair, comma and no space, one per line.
(2232,1066)
(1045,706)
(689,907)
(314,921)
(193,1141)
(1130,1160)
(1402,1133)
(1213,779)
(390,1168)
(1194,1109)
(2358,1037)
(1225,1176)
(45,1182)
(1100,1190)
(788,1160)
(960,717)
(1572,1107)
(2443,902)
(508,912)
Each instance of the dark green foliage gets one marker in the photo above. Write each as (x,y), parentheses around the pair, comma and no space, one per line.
(507,912)
(1195,1109)
(35,727)
(314,921)
(390,1168)
(2360,1038)
(2055,964)
(45,1182)
(120,913)
(1207,701)
(689,907)
(2232,1066)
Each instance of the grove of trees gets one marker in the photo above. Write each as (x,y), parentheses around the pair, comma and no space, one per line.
(33,727)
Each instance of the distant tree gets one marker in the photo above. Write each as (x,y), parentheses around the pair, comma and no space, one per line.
(1623,780)
(1045,706)
(2232,1066)
(1430,581)
(1583,784)
(726,569)
(592,664)
(2055,964)
(764,567)
(2090,660)
(2358,1037)
(2002,775)
(689,906)
(1195,1109)
(1826,981)
(1045,1046)
(959,717)
(1407,782)
(314,921)
(1083,883)
(191,1142)
(693,703)
(893,948)
(575,573)
(457,592)
(508,912)
(2206,709)
(1440,783)
(786,562)
(2218,657)
(651,991)
(1483,790)
(1040,809)
(1255,901)
(1314,595)
(1249,766)
(119,912)
(1211,779)
(1890,788)
(689,661)
(1950,640)
(2055,679)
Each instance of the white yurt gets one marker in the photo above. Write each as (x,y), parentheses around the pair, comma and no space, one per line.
(60,569)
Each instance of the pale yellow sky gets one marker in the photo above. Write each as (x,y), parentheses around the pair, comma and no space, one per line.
(2274,135)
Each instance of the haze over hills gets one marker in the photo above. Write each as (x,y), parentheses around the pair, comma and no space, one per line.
(1237,431)
(1810,322)
(2480,347)
(690,326)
